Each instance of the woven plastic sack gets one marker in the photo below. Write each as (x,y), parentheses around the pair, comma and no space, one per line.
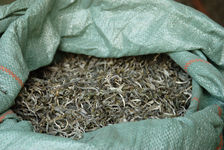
(33,30)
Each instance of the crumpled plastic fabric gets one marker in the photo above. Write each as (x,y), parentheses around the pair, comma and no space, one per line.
(31,32)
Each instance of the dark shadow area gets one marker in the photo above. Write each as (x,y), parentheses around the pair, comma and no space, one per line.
(213,8)
(4,2)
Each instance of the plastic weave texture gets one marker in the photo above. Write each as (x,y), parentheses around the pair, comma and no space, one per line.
(31,32)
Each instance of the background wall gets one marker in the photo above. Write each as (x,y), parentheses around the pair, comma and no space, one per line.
(2,2)
(213,8)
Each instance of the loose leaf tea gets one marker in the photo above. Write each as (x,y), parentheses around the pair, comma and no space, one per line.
(83,93)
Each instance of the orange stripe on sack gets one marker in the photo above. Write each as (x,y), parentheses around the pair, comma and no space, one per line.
(12,74)
(197,100)
(220,143)
(221,137)
(219,110)
(5,114)
(193,61)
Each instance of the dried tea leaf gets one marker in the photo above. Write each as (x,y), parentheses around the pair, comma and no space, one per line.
(84,93)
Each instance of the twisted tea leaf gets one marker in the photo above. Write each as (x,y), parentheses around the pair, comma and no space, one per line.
(84,93)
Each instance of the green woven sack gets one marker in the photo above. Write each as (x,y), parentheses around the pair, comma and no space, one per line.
(31,31)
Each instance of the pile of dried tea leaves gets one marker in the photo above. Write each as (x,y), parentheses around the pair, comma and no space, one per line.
(84,93)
